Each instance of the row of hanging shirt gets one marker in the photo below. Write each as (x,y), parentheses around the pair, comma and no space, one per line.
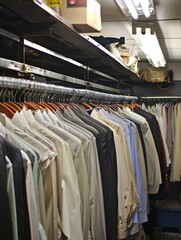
(167,113)
(71,175)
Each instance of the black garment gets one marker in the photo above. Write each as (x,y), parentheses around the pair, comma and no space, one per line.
(155,129)
(108,168)
(15,157)
(5,214)
(105,41)
(81,115)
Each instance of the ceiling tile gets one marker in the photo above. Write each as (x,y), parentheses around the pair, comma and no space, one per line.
(173,43)
(169,29)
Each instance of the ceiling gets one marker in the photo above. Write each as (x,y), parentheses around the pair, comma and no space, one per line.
(167,22)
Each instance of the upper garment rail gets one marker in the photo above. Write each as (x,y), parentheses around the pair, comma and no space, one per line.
(157,99)
(56,90)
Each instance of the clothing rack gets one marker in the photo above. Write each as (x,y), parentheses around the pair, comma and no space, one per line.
(160,99)
(72,94)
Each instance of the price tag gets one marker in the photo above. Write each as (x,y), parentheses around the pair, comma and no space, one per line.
(54,3)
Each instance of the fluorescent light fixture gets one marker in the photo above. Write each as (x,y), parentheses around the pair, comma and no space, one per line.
(150,46)
(135,8)
(145,6)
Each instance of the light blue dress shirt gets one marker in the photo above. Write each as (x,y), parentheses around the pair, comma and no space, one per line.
(140,214)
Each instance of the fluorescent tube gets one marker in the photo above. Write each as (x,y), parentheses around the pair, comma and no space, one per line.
(136,7)
(145,7)
(132,8)
(150,46)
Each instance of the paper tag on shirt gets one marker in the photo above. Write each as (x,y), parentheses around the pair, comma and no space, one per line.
(63,184)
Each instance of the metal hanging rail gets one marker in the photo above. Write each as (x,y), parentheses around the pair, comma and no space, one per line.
(18,83)
(160,97)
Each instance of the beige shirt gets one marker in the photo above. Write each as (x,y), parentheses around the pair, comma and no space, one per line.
(127,194)
(176,163)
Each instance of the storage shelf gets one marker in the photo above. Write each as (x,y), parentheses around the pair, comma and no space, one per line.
(38,23)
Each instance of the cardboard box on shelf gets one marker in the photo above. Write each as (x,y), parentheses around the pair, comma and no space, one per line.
(84,15)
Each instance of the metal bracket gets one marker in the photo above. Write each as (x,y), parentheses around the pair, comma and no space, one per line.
(143,26)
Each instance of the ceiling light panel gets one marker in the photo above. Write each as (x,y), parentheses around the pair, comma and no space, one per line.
(136,8)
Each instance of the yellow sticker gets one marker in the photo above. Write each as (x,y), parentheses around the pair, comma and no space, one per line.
(54,3)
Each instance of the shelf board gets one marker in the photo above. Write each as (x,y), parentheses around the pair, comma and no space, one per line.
(37,22)
(56,77)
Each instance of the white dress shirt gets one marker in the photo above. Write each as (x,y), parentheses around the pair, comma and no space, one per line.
(68,189)
(11,195)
